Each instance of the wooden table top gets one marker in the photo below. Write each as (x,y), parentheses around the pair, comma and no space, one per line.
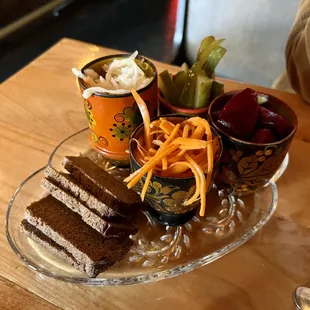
(41,105)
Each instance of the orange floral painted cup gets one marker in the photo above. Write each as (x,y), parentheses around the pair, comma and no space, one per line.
(112,118)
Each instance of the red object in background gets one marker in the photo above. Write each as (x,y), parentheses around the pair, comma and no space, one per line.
(170,28)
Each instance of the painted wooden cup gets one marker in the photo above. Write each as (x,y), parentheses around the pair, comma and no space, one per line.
(247,166)
(167,108)
(165,195)
(112,118)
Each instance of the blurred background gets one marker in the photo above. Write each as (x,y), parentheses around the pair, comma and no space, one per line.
(165,30)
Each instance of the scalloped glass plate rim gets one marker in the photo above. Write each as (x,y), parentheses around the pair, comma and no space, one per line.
(147,278)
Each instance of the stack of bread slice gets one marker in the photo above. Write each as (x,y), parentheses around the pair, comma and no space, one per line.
(86,218)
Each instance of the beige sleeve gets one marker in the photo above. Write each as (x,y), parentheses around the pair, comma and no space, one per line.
(298,52)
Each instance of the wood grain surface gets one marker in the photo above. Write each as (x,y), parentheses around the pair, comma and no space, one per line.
(13,296)
(41,105)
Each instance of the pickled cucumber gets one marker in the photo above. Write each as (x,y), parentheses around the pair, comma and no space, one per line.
(195,87)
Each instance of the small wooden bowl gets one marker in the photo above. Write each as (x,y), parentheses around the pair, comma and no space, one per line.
(167,108)
(165,195)
(113,118)
(247,166)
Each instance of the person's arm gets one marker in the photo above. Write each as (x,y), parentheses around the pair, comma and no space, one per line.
(298,52)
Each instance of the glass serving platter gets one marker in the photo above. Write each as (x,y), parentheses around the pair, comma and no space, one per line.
(159,252)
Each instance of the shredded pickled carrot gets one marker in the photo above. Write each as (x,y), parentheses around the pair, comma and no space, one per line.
(164,163)
(149,165)
(185,131)
(203,185)
(175,150)
(146,184)
(156,132)
(145,116)
(193,144)
(166,126)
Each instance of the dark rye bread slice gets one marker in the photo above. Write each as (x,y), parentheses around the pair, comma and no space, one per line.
(68,183)
(37,236)
(103,185)
(67,229)
(102,225)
